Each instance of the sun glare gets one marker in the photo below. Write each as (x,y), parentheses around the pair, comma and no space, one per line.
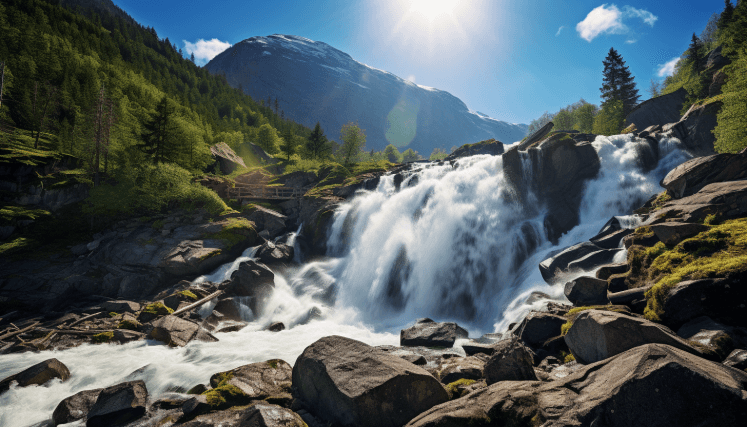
(432,9)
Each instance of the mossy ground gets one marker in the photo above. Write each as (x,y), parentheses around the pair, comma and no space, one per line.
(131,325)
(225,396)
(189,294)
(234,232)
(718,252)
(103,337)
(158,309)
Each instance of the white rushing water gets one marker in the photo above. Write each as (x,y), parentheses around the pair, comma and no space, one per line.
(448,245)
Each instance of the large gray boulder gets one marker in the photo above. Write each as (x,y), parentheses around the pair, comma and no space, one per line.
(347,382)
(118,405)
(598,334)
(428,333)
(458,368)
(174,331)
(695,128)
(586,290)
(255,280)
(653,385)
(585,256)
(723,300)
(671,233)
(726,200)
(37,375)
(75,407)
(691,176)
(511,361)
(538,327)
(260,414)
(657,111)
(270,253)
(490,146)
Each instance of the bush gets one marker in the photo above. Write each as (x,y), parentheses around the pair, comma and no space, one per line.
(149,189)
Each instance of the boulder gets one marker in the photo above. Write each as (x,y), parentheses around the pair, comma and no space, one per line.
(737,359)
(716,60)
(268,220)
(723,300)
(229,309)
(597,335)
(608,270)
(511,361)
(671,233)
(225,158)
(717,82)
(253,279)
(726,200)
(75,407)
(657,111)
(37,375)
(536,137)
(710,334)
(174,331)
(260,414)
(473,347)
(348,382)
(120,306)
(276,327)
(431,334)
(258,381)
(432,356)
(695,128)
(270,253)
(538,327)
(489,146)
(458,368)
(611,240)
(585,255)
(586,290)
(118,405)
(628,296)
(653,385)
(691,176)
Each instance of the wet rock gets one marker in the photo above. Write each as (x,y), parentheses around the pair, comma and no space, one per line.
(428,333)
(608,270)
(611,240)
(737,359)
(490,146)
(174,331)
(229,308)
(585,255)
(597,335)
(586,290)
(270,253)
(328,375)
(415,359)
(723,300)
(726,200)
(314,313)
(232,328)
(432,356)
(254,280)
(458,368)
(268,220)
(258,381)
(75,407)
(511,361)
(538,327)
(653,385)
(276,327)
(714,336)
(37,375)
(118,405)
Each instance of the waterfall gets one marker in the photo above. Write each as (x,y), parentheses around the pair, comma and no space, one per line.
(451,243)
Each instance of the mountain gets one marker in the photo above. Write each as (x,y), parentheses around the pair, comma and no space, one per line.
(315,82)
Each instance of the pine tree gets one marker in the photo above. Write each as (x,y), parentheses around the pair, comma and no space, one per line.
(693,53)
(192,57)
(726,15)
(317,145)
(157,137)
(618,83)
(289,143)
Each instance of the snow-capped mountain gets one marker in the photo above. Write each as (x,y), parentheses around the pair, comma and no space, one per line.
(315,82)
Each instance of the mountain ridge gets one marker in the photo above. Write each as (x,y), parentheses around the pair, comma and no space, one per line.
(314,81)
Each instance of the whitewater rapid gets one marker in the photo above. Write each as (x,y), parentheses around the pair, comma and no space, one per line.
(447,244)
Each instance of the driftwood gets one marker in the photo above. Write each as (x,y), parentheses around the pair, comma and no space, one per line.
(83,319)
(88,332)
(20,331)
(198,303)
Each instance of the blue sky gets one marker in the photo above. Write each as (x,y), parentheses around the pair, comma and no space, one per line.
(512,60)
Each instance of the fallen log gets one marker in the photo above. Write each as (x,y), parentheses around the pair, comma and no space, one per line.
(197,304)
(20,331)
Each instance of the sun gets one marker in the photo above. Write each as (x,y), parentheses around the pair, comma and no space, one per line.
(432,9)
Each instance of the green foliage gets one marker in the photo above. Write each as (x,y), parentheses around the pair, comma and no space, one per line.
(149,189)
(577,116)
(288,146)
(234,232)
(103,337)
(189,294)
(225,396)
(438,154)
(353,142)
(158,309)
(718,252)
(392,154)
(411,155)
(317,145)
(131,325)
(454,388)
(268,139)
(731,131)
(610,119)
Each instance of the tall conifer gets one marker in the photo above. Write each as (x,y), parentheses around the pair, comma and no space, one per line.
(618,83)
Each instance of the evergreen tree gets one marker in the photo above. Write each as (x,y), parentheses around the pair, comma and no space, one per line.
(192,57)
(618,83)
(693,53)
(726,15)
(156,136)
(654,89)
(289,143)
(317,144)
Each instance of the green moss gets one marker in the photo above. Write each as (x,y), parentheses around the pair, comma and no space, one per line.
(234,232)
(273,363)
(158,224)
(644,231)
(710,219)
(565,327)
(113,314)
(158,309)
(569,358)
(189,294)
(453,387)
(221,379)
(103,337)
(131,325)
(225,396)
(13,214)
(718,252)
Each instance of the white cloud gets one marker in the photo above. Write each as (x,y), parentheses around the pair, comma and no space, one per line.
(608,19)
(205,50)
(668,68)
(630,41)
(646,16)
(411,78)
(559,30)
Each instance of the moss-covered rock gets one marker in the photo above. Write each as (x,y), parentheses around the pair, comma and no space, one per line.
(103,337)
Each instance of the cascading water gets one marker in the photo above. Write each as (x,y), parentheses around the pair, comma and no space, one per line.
(453,243)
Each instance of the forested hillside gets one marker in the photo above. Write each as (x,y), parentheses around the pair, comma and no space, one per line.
(61,67)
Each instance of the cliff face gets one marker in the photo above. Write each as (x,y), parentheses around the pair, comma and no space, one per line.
(316,82)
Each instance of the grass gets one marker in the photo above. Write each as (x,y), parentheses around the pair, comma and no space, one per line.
(13,214)
(718,252)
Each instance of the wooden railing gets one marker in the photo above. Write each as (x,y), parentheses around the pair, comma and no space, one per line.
(249,191)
